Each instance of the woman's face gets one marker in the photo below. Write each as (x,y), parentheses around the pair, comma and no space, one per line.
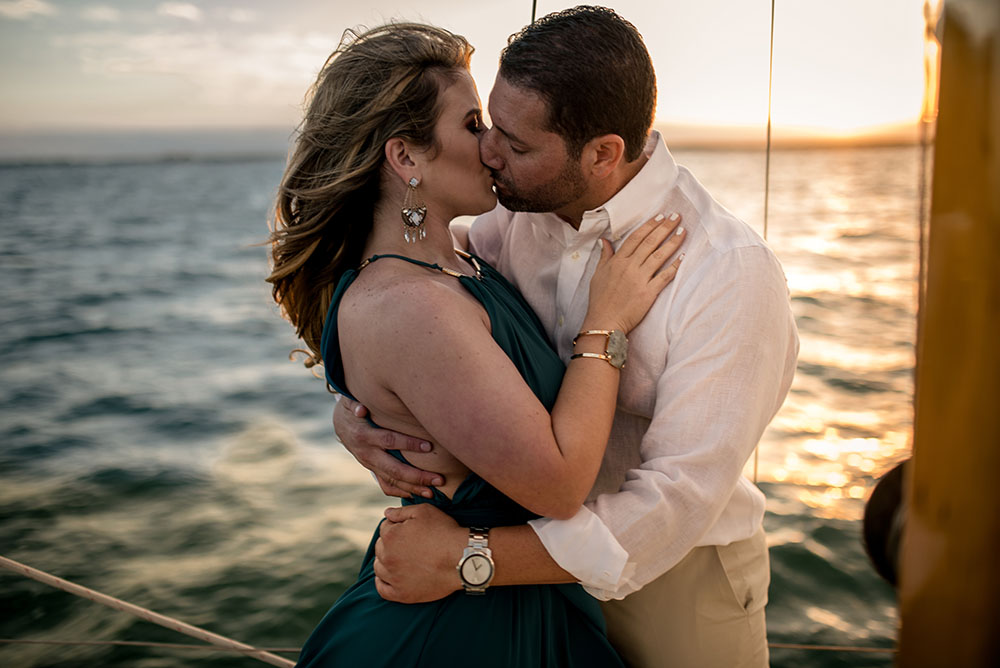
(454,182)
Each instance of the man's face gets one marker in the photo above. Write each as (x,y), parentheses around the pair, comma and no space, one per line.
(530,164)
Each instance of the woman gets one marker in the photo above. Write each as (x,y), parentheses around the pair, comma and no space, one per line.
(440,346)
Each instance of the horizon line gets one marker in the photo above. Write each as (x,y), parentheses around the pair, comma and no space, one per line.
(130,144)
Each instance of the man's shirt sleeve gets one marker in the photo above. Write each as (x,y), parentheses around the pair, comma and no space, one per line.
(731,358)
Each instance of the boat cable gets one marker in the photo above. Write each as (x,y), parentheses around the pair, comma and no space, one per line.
(222,643)
(767,176)
(144,613)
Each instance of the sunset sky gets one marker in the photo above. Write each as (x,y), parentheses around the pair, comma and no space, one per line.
(839,67)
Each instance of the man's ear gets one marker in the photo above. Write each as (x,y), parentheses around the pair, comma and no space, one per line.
(399,158)
(602,154)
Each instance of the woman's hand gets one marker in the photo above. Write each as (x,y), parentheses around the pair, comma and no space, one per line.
(626,283)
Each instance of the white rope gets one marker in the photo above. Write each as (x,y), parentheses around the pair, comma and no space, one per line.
(143,613)
(137,643)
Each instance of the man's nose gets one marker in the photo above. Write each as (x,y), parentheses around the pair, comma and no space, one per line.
(487,150)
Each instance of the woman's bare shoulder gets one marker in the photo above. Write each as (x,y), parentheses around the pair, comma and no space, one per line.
(401,302)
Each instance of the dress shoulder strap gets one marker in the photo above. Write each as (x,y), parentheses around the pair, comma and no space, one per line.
(435,266)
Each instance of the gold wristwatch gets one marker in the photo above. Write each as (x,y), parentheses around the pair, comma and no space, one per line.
(615,347)
(475,568)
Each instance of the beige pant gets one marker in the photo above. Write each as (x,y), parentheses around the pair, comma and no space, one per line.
(705,612)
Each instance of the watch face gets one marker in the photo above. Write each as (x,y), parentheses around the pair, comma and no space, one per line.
(476,570)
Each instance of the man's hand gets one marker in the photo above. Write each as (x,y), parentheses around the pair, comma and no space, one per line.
(368,445)
(416,554)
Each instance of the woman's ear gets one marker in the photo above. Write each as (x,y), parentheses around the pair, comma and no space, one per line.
(399,158)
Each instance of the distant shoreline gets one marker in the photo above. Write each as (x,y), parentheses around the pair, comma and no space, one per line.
(114,161)
(108,147)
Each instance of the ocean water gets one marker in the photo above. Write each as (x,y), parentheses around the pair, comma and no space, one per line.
(157,444)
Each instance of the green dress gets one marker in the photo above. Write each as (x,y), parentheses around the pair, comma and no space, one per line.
(537,625)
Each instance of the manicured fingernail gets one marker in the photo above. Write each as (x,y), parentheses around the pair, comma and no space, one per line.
(427,494)
(425,447)
(674,217)
(680,231)
(659,217)
(437,482)
(681,257)
(357,411)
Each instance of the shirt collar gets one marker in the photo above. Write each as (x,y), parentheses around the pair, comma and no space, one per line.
(640,197)
(633,204)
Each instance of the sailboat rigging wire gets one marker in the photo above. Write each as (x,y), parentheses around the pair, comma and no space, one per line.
(767,175)
(767,150)
(143,613)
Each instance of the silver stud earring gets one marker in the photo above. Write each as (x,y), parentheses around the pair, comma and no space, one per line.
(414,212)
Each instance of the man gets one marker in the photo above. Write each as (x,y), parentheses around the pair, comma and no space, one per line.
(671,536)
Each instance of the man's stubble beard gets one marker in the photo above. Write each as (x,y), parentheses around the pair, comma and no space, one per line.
(567,186)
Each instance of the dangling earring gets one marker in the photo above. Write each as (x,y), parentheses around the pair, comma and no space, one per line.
(414,211)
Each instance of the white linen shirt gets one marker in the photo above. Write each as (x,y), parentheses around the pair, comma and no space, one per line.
(708,367)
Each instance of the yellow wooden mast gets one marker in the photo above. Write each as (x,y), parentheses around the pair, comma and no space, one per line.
(949,594)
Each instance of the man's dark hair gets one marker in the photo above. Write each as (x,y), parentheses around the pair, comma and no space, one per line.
(591,67)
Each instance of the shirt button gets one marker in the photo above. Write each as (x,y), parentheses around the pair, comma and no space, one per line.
(561,321)
(576,255)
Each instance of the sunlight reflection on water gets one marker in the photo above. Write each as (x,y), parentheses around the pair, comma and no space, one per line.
(158,442)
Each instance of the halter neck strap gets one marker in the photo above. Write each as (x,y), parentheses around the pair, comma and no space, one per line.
(435,266)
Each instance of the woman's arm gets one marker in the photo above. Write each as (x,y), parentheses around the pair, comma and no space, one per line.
(468,396)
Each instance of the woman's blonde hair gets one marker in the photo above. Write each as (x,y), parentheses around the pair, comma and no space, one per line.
(377,85)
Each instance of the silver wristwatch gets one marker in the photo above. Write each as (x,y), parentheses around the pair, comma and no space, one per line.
(475,568)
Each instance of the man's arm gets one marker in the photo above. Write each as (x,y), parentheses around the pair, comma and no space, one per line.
(731,359)
(368,444)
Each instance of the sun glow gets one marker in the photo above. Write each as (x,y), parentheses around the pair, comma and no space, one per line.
(840,69)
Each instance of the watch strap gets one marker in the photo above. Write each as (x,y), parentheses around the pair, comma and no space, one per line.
(479,537)
(478,547)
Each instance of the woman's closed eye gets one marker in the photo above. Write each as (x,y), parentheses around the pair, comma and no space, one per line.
(475,125)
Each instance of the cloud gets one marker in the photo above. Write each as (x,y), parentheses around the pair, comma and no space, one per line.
(241,16)
(179,10)
(101,14)
(255,71)
(23,9)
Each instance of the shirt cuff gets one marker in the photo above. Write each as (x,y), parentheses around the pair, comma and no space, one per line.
(585,547)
